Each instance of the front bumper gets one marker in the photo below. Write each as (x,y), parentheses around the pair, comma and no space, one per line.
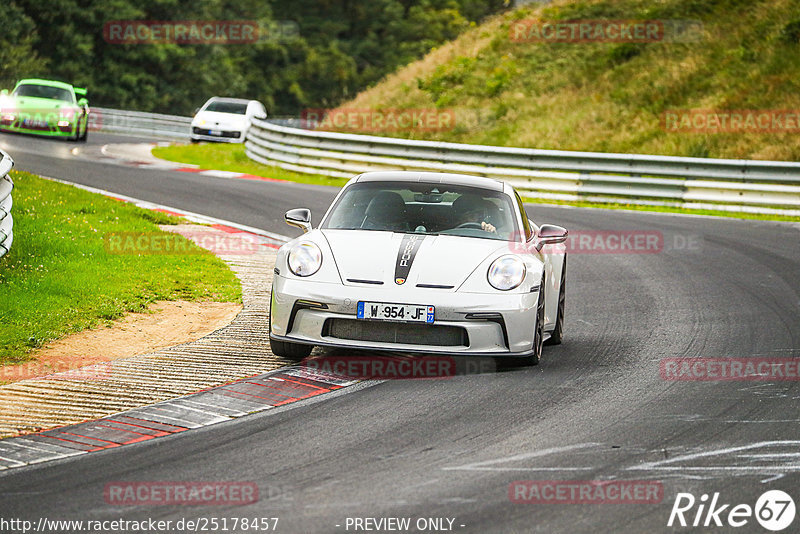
(48,130)
(318,313)
(225,136)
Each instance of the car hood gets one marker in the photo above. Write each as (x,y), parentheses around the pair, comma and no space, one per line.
(215,119)
(30,103)
(438,260)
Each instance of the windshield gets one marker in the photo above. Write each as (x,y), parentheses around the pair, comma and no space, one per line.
(424,208)
(44,91)
(227,107)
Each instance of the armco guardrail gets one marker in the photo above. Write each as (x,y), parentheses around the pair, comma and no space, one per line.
(154,124)
(723,184)
(140,123)
(6,221)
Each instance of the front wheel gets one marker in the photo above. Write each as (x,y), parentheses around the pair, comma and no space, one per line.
(291,351)
(538,335)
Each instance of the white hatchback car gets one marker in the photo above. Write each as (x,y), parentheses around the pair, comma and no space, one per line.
(225,119)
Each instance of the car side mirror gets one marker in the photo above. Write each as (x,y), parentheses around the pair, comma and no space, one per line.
(550,234)
(299,217)
(196,111)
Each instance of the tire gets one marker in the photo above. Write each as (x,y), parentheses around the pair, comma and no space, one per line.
(291,351)
(558,332)
(538,329)
(85,134)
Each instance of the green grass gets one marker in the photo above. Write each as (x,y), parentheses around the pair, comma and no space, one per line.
(664,209)
(58,278)
(231,157)
(609,97)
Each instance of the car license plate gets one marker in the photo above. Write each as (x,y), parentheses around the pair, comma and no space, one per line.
(34,123)
(215,132)
(385,311)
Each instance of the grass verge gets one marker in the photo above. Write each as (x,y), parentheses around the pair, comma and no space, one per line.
(228,157)
(59,279)
(231,157)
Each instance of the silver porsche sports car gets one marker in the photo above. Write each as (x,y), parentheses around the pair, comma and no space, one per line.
(420,262)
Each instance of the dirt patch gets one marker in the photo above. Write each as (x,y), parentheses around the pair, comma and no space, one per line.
(167,323)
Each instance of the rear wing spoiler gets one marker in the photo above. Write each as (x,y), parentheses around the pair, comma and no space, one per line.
(80,92)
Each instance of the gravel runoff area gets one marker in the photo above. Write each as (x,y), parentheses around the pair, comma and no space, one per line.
(238,350)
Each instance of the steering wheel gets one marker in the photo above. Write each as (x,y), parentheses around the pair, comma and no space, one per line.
(475,225)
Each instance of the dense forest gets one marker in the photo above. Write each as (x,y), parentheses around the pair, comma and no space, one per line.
(334,49)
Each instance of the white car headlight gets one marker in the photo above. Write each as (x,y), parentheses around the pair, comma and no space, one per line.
(506,272)
(305,259)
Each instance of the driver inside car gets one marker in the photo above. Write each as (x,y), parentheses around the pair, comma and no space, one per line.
(470,209)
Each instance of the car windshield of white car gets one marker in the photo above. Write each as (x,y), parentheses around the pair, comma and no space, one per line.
(424,208)
(227,107)
(44,91)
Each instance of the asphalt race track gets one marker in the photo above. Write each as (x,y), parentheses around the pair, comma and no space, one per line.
(245,202)
(596,408)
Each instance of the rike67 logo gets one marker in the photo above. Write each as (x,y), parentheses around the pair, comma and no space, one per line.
(774,510)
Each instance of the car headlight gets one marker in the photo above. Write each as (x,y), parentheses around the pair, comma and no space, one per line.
(506,272)
(305,259)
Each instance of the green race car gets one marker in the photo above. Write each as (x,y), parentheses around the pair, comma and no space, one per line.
(45,107)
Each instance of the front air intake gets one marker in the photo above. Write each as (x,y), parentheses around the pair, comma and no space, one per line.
(400,333)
